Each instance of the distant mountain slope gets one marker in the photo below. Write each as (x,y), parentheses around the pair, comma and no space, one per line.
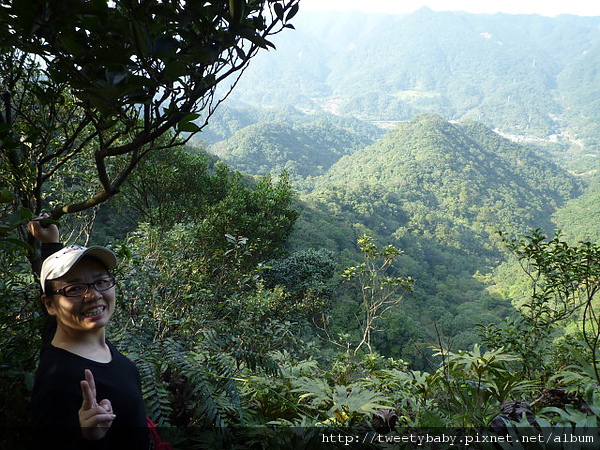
(306,148)
(439,191)
(579,219)
(455,183)
(523,74)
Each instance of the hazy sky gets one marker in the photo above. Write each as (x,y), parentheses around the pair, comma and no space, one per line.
(544,7)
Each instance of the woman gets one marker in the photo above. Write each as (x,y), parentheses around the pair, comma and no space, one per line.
(86,395)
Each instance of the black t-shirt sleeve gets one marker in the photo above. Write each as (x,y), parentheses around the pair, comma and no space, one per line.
(49,248)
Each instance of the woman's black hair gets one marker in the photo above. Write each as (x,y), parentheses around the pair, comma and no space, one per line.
(49,329)
(48,288)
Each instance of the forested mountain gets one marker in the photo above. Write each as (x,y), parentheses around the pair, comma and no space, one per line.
(440,192)
(305,149)
(579,219)
(522,74)
(427,176)
(440,184)
(445,177)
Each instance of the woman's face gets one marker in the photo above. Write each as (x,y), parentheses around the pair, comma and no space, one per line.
(86,312)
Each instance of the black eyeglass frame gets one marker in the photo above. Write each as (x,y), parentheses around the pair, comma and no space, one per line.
(62,291)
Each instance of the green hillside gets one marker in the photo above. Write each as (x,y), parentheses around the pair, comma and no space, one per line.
(440,192)
(306,147)
(579,219)
(457,183)
(447,177)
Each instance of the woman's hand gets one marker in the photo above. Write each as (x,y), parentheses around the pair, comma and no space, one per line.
(48,234)
(95,418)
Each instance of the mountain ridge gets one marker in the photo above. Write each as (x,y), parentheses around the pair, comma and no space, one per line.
(447,179)
(517,73)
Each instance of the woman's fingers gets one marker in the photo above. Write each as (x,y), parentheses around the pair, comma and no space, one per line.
(93,414)
(95,423)
(89,377)
(43,232)
(106,405)
(88,391)
(95,418)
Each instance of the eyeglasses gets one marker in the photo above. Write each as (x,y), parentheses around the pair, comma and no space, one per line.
(78,289)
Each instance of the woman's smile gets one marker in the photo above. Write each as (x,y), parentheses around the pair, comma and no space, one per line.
(94,312)
(89,311)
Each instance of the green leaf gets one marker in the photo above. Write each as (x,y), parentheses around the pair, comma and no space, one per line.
(25,214)
(72,45)
(166,45)
(18,243)
(188,127)
(6,196)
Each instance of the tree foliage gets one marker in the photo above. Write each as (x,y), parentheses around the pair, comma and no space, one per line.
(378,288)
(564,283)
(307,276)
(90,87)
(180,187)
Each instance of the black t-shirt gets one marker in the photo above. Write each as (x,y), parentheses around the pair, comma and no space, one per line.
(57,397)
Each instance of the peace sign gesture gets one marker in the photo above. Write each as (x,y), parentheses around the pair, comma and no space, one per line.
(95,418)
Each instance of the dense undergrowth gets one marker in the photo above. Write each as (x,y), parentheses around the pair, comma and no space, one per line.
(231,362)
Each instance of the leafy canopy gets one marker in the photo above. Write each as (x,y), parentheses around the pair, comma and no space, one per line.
(90,87)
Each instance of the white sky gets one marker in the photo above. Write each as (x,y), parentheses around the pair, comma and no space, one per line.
(548,8)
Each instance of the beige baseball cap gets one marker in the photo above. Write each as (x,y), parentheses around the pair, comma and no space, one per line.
(60,262)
